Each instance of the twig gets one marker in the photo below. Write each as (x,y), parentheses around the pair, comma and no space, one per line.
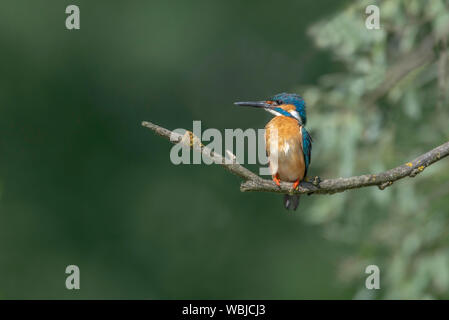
(253,182)
(229,164)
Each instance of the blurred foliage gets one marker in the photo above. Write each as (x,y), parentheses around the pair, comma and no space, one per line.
(81,182)
(403,229)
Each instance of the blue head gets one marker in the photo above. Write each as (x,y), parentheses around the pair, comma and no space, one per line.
(282,104)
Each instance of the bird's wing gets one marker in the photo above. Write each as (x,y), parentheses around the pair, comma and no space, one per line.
(306,148)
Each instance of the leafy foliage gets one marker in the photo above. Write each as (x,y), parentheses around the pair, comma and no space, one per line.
(403,229)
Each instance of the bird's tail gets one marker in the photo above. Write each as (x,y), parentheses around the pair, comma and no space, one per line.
(291,201)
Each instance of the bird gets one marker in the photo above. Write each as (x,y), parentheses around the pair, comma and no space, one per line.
(288,143)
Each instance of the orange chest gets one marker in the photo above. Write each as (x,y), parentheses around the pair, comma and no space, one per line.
(283,137)
(286,131)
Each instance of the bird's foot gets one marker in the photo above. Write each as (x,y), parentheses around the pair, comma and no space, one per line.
(295,185)
(277,180)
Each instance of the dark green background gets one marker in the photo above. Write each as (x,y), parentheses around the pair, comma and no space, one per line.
(83,183)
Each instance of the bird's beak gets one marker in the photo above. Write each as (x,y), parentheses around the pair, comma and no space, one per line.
(255,104)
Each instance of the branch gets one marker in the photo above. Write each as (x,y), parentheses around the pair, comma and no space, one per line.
(193,142)
(253,182)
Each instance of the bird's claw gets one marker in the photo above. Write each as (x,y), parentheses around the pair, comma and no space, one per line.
(295,185)
(277,180)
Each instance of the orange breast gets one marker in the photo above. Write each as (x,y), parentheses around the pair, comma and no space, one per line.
(283,139)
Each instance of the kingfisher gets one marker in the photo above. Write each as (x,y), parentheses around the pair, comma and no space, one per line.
(288,144)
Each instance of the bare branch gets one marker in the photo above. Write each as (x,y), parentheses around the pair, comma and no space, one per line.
(382,180)
(229,163)
(253,182)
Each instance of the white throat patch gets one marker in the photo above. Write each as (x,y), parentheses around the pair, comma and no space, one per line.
(294,114)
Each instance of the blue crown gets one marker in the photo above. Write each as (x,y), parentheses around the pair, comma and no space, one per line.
(293,99)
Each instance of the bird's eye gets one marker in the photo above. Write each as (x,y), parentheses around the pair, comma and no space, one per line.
(278,102)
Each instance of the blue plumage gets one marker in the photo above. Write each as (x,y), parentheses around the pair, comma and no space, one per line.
(306,148)
(283,112)
(294,99)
